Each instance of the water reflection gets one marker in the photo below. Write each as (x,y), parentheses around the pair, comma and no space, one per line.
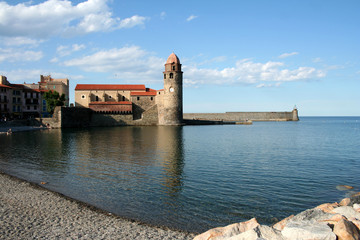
(171,155)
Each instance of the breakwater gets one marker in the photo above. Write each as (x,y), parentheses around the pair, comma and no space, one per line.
(244,116)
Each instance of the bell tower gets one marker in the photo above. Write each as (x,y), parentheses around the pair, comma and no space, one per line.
(172,106)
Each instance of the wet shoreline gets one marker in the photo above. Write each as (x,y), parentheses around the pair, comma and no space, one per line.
(28,210)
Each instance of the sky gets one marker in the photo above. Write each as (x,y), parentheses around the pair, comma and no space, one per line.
(236,55)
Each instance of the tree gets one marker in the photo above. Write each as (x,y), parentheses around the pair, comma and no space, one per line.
(53,99)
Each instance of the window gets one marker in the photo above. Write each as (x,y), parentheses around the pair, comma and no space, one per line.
(83,96)
(109,97)
(14,100)
(164,76)
(173,68)
(151,98)
(14,108)
(96,98)
(138,98)
(123,98)
(18,108)
(171,75)
(28,107)
(35,107)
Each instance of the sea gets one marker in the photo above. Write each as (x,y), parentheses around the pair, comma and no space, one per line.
(194,178)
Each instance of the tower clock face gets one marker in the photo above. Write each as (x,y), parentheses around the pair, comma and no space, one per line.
(171,89)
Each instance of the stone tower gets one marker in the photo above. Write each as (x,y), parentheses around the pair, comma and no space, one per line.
(171,112)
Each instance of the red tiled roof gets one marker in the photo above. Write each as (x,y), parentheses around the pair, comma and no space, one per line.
(143,93)
(111,103)
(5,86)
(110,87)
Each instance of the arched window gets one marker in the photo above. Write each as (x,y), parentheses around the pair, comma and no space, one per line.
(171,75)
(173,68)
(164,76)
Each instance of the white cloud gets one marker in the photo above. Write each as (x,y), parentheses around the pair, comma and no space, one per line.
(67,50)
(14,55)
(23,75)
(285,55)
(18,41)
(54,17)
(192,17)
(33,75)
(317,60)
(162,15)
(128,63)
(249,72)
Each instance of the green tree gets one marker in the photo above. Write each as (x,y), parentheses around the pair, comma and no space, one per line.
(53,99)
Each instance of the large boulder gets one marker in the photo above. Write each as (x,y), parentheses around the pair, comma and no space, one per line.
(308,230)
(309,224)
(312,215)
(328,207)
(280,225)
(347,211)
(262,232)
(228,231)
(346,230)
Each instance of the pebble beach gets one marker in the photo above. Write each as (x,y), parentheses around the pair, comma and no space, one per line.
(28,211)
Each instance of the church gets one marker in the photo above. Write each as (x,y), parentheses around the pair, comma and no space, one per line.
(136,103)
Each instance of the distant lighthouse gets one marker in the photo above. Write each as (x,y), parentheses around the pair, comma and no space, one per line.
(172,107)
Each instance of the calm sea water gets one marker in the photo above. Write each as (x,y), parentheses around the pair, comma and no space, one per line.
(194,177)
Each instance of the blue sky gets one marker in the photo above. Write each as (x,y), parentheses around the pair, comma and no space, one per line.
(257,55)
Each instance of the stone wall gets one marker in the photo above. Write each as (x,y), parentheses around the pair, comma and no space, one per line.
(141,104)
(67,117)
(243,116)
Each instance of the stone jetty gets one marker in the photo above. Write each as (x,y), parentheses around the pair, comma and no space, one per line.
(329,221)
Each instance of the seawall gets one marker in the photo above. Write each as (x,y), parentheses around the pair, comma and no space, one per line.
(74,117)
(244,116)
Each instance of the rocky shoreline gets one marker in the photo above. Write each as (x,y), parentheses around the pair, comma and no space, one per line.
(329,221)
(28,211)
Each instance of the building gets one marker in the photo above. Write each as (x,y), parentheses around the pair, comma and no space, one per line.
(26,100)
(136,99)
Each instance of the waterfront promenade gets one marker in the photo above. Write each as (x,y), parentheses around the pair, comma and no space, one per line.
(31,212)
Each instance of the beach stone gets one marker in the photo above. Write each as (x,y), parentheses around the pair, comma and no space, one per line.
(328,207)
(280,225)
(346,230)
(347,211)
(262,232)
(344,187)
(345,202)
(227,231)
(308,230)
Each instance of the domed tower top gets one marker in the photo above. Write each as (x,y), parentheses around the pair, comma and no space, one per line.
(173,59)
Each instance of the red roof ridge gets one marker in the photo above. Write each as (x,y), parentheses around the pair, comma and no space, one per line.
(143,93)
(111,103)
(110,87)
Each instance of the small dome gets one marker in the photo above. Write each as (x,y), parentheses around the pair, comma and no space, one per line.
(173,59)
